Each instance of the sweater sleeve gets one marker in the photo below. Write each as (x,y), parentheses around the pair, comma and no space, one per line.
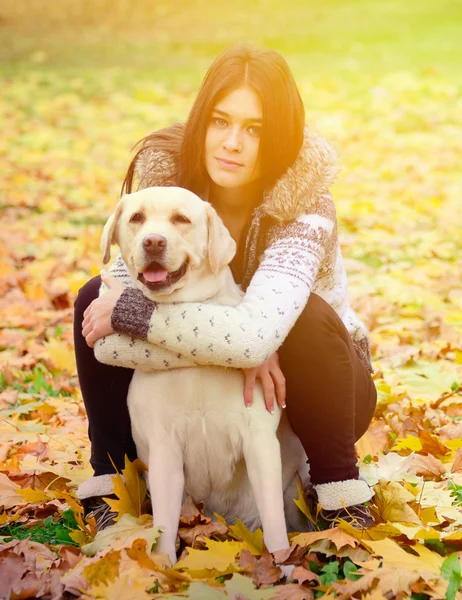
(240,336)
(122,350)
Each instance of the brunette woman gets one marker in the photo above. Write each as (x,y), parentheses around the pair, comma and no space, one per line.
(246,150)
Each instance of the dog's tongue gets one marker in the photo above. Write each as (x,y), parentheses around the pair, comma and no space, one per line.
(155,273)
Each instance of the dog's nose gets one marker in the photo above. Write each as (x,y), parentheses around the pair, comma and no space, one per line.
(154,244)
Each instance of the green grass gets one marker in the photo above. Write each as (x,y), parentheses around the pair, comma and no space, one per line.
(173,42)
(48,531)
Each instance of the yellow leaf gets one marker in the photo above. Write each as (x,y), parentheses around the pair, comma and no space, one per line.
(453,444)
(252,541)
(34,496)
(302,504)
(104,570)
(220,518)
(129,585)
(122,534)
(418,533)
(62,355)
(219,556)
(455,536)
(391,500)
(80,537)
(336,536)
(131,493)
(410,442)
(394,556)
(428,516)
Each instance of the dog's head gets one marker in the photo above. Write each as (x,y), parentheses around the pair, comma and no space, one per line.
(169,239)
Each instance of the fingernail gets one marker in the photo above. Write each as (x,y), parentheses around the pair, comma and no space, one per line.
(283,406)
(247,405)
(272,411)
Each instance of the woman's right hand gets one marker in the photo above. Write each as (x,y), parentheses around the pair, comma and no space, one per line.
(272,380)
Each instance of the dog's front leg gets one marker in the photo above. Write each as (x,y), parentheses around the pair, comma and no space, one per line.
(166,484)
(263,459)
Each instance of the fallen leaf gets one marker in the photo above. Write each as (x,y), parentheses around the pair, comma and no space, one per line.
(392,503)
(127,529)
(253,541)
(130,490)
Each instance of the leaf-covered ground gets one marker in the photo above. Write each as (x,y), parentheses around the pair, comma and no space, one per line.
(65,145)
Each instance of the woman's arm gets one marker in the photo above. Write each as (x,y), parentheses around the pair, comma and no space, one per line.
(122,350)
(245,335)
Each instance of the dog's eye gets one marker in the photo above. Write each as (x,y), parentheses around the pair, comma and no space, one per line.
(180,219)
(137,218)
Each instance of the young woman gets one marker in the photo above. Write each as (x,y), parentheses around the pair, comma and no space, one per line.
(246,150)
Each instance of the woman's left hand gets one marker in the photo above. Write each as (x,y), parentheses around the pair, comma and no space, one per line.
(97,318)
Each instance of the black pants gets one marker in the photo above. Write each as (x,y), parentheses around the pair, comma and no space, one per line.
(331,396)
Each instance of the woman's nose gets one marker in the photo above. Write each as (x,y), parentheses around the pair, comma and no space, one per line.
(233,141)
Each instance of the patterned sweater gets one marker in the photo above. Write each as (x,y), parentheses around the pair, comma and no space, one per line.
(291,250)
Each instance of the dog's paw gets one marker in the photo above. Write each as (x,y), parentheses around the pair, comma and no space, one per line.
(287,571)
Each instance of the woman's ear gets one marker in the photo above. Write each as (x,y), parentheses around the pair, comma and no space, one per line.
(109,235)
(221,247)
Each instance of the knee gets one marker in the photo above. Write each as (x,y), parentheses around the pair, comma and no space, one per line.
(317,315)
(87,294)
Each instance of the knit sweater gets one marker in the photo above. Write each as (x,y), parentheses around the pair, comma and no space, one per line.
(291,250)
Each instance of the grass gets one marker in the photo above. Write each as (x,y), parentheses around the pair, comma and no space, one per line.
(173,42)
(48,531)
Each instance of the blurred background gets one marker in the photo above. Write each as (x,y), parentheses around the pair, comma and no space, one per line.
(82,81)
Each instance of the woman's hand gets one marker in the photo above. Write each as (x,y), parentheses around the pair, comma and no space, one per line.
(273,382)
(97,318)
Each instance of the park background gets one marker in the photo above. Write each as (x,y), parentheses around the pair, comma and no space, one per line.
(81,83)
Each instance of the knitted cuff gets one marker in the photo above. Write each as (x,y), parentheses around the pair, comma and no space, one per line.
(101,485)
(338,494)
(132,313)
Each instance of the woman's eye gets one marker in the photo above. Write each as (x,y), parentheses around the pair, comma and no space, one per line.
(137,218)
(219,122)
(180,219)
(255,130)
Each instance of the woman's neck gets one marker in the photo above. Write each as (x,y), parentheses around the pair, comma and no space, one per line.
(235,203)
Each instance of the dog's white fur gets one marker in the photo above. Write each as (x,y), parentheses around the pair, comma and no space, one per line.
(191,426)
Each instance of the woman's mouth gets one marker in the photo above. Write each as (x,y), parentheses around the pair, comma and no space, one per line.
(228,164)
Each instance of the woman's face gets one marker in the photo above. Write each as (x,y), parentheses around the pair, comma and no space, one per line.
(232,140)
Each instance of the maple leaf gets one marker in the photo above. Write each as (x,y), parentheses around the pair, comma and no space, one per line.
(129,585)
(130,491)
(253,541)
(10,492)
(262,569)
(123,533)
(105,570)
(428,466)
(392,503)
(218,558)
(393,555)
(336,535)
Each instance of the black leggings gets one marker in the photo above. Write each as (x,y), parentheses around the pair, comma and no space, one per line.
(331,396)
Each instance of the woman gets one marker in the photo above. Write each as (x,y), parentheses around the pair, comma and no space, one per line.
(246,150)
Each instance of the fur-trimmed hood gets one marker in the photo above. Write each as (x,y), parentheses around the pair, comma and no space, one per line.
(303,184)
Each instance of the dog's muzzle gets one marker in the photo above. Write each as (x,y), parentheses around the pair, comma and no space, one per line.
(156,277)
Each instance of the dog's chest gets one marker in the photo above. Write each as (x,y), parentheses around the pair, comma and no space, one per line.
(199,412)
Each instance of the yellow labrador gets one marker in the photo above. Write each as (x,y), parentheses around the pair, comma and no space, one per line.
(190,425)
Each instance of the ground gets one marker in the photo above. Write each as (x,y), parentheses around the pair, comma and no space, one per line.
(381,81)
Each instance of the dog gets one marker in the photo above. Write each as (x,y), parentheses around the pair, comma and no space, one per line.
(190,425)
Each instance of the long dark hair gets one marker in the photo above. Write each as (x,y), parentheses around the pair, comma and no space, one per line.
(268,74)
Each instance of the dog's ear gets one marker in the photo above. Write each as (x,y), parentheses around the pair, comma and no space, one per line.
(109,237)
(221,245)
